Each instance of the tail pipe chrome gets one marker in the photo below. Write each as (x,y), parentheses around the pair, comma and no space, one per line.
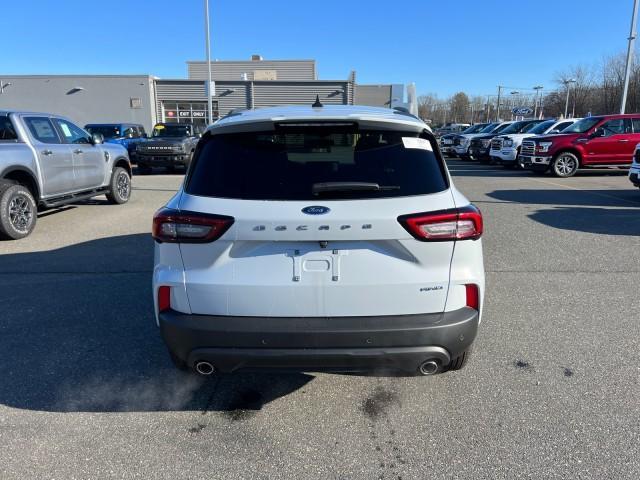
(429,367)
(205,368)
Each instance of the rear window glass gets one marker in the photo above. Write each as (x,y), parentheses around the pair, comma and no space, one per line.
(107,131)
(7,132)
(316,163)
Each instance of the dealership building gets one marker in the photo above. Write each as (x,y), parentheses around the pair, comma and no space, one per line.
(146,99)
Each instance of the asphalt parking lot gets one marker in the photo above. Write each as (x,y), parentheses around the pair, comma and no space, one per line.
(551,390)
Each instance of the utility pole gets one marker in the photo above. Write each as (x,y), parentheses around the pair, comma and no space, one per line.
(566,104)
(537,88)
(500,87)
(208,49)
(488,108)
(632,40)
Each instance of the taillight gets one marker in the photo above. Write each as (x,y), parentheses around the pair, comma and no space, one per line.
(473,296)
(175,226)
(463,223)
(164,298)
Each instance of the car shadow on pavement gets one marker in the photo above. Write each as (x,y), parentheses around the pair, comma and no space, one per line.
(602,221)
(77,333)
(602,212)
(598,198)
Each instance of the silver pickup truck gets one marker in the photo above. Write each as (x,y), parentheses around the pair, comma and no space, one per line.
(47,161)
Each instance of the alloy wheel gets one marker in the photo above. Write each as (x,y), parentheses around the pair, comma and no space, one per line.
(20,213)
(566,165)
(123,185)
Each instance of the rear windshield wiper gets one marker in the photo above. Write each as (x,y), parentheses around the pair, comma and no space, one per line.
(323,187)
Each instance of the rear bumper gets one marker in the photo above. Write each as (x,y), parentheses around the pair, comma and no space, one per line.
(319,344)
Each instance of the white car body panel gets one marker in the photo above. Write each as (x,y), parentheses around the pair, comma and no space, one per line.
(270,263)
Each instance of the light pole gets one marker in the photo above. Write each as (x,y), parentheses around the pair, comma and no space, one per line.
(627,70)
(208,49)
(566,104)
(513,103)
(500,87)
(537,88)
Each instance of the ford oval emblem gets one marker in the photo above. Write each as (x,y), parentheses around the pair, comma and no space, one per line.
(316,210)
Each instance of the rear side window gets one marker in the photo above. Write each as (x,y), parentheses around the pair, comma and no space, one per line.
(562,126)
(316,163)
(7,132)
(613,127)
(42,129)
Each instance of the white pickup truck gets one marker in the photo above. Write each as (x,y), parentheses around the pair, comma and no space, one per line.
(47,161)
(505,149)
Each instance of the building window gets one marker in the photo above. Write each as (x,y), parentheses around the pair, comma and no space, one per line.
(188,112)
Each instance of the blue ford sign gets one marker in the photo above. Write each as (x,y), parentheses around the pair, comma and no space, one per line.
(316,210)
(522,111)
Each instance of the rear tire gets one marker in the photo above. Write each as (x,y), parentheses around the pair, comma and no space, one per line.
(460,361)
(565,165)
(119,186)
(18,211)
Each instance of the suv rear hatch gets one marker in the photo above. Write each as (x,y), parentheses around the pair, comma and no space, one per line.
(316,227)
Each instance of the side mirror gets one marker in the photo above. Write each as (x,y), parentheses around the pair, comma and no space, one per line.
(144,135)
(130,135)
(598,132)
(555,131)
(97,138)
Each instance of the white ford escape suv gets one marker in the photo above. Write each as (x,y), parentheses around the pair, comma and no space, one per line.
(318,238)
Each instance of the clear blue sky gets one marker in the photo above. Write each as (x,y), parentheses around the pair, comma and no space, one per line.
(444,46)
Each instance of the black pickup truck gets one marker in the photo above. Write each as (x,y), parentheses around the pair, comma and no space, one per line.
(171,145)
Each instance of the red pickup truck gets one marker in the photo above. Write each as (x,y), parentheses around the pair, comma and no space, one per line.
(602,141)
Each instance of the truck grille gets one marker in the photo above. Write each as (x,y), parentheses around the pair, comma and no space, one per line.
(496,144)
(528,148)
(456,141)
(476,144)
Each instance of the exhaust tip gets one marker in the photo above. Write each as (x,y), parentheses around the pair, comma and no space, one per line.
(204,368)
(430,367)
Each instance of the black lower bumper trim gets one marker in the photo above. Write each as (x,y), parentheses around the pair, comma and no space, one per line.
(317,343)
(162,160)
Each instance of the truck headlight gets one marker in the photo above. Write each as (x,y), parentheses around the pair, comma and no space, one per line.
(544,147)
(507,142)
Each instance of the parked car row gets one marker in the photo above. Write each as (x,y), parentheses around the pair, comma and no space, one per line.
(557,146)
(171,144)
